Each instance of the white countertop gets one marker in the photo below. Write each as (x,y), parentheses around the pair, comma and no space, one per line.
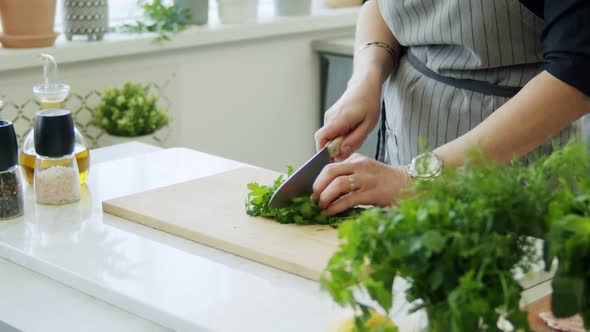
(33,302)
(169,281)
(147,280)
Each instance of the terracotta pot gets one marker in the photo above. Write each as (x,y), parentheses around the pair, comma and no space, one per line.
(28,23)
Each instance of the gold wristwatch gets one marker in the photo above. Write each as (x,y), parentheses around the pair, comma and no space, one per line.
(425,166)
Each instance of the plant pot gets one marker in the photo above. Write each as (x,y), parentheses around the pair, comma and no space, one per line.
(237,11)
(199,10)
(89,18)
(28,24)
(292,8)
(108,139)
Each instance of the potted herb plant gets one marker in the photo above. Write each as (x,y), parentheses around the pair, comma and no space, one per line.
(129,113)
(28,24)
(89,18)
(459,240)
(161,18)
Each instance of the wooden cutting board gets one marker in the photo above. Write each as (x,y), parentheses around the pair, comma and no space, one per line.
(211,211)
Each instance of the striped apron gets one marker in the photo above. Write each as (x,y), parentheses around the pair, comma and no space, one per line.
(462,60)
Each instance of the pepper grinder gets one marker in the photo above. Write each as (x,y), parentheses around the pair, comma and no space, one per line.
(56,171)
(11,189)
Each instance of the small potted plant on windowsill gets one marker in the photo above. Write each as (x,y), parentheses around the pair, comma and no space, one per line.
(130,113)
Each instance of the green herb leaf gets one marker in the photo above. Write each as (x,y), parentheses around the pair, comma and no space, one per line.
(460,238)
(130,111)
(568,296)
(302,210)
(160,18)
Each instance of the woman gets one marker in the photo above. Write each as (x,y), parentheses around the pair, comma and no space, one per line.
(505,75)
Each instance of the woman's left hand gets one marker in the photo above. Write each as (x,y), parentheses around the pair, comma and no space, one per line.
(358,180)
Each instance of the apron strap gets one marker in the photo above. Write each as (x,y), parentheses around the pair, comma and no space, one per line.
(380,152)
(466,84)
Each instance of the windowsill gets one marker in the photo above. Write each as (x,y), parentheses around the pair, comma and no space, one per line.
(116,44)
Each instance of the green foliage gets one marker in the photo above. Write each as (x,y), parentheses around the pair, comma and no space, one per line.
(303,210)
(459,240)
(130,111)
(160,18)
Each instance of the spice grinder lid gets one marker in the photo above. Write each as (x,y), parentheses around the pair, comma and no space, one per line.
(8,146)
(54,133)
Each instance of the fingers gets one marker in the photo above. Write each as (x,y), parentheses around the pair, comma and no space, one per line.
(354,137)
(351,193)
(344,203)
(322,137)
(340,186)
(358,181)
(328,175)
(340,125)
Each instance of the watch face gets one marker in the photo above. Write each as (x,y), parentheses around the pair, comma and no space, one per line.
(426,165)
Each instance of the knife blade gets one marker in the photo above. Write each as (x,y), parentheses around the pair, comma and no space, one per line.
(301,182)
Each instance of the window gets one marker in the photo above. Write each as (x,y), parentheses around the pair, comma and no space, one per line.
(125,10)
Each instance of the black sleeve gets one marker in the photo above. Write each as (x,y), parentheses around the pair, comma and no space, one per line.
(566,42)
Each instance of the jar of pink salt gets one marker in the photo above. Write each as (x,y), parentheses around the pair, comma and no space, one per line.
(56,178)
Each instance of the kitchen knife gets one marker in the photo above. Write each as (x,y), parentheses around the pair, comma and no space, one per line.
(301,182)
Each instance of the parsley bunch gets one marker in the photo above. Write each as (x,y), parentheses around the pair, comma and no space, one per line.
(303,210)
(460,239)
(160,18)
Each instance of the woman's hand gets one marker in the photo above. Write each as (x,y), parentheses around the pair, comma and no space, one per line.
(354,115)
(359,181)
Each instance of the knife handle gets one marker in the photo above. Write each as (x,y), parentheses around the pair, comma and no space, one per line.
(334,146)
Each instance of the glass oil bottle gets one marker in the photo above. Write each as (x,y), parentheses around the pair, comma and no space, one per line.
(52,95)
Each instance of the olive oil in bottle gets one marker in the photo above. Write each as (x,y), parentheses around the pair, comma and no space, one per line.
(28,159)
(52,104)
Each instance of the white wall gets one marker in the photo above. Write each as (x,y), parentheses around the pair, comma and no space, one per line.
(255,101)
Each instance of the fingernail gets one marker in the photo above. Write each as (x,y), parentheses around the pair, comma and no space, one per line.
(313,197)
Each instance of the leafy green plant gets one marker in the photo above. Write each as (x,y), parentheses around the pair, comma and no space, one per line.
(460,239)
(303,210)
(160,18)
(130,111)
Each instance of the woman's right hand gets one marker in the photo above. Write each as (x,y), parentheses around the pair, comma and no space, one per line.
(354,116)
